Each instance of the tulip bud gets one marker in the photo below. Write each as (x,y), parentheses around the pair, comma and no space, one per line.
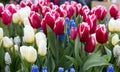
(28,34)
(45,9)
(22,4)
(1,8)
(61,11)
(26,21)
(1,34)
(113,11)
(42,49)
(55,14)
(70,11)
(7,42)
(112,25)
(16,18)
(50,20)
(101,34)
(43,25)
(16,47)
(83,31)
(100,12)
(7,58)
(11,8)
(59,26)
(115,39)
(73,33)
(118,25)
(28,53)
(28,3)
(17,40)
(35,20)
(34,7)
(6,17)
(116,50)
(40,36)
(90,44)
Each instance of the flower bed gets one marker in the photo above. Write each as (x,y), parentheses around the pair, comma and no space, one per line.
(45,37)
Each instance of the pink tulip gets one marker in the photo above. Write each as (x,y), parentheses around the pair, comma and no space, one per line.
(59,26)
(45,9)
(6,17)
(73,33)
(22,4)
(70,11)
(43,25)
(1,8)
(34,7)
(11,8)
(29,3)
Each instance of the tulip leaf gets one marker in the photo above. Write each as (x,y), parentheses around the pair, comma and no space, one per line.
(94,60)
(109,54)
(73,60)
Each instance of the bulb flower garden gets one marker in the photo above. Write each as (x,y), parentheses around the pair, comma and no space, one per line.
(44,37)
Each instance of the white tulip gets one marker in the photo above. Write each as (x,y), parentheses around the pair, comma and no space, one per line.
(16,18)
(40,36)
(28,34)
(7,42)
(7,68)
(26,21)
(16,47)
(118,25)
(116,50)
(1,33)
(7,58)
(115,39)
(112,25)
(42,49)
(28,53)
(17,40)
(24,12)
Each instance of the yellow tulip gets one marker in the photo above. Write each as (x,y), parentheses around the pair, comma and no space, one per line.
(7,42)
(115,39)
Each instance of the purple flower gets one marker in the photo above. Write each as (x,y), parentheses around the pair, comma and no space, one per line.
(34,68)
(110,68)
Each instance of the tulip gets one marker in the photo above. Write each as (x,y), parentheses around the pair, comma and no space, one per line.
(1,34)
(78,9)
(42,49)
(26,21)
(40,36)
(29,3)
(55,14)
(90,44)
(91,20)
(112,25)
(110,68)
(115,39)
(116,50)
(11,8)
(35,20)
(56,2)
(16,18)
(1,8)
(83,31)
(34,7)
(28,53)
(59,26)
(117,25)
(17,40)
(100,12)
(43,25)
(28,34)
(70,11)
(34,68)
(85,9)
(22,4)
(113,11)
(73,33)
(7,58)
(6,17)
(45,9)
(60,69)
(16,47)
(61,11)
(7,42)
(50,20)
(101,34)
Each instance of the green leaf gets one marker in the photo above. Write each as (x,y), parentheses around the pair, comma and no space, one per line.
(94,60)
(73,60)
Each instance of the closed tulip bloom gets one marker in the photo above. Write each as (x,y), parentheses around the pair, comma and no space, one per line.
(59,26)
(118,25)
(50,20)
(17,40)
(45,9)
(28,53)
(83,31)
(1,33)
(112,25)
(116,50)
(115,39)
(26,21)
(70,11)
(22,4)
(7,58)
(40,36)
(1,8)
(43,25)
(7,42)
(28,3)
(28,34)
(16,18)
(34,7)
(11,8)
(6,17)
(113,11)
(73,33)
(42,48)
(35,20)
(90,44)
(101,34)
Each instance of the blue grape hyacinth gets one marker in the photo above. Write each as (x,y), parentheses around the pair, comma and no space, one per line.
(34,68)
(110,68)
